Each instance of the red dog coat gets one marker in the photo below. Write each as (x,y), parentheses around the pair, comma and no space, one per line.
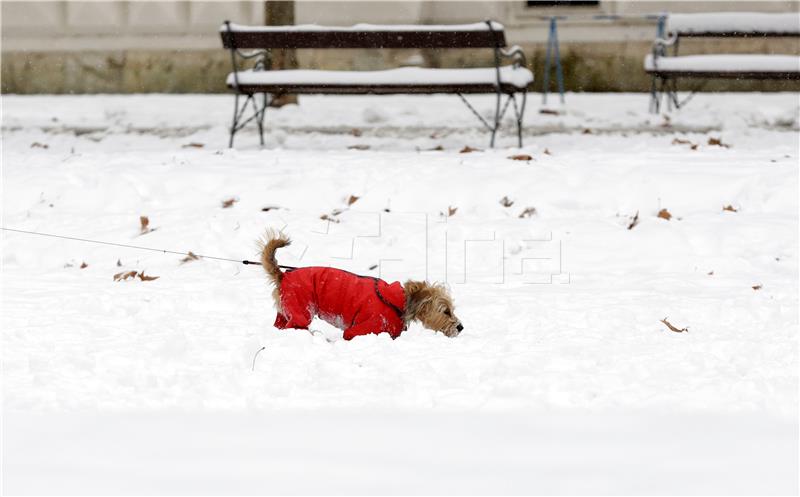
(359,305)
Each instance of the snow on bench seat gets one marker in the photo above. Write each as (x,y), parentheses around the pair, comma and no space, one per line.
(734,24)
(402,80)
(363,27)
(726,65)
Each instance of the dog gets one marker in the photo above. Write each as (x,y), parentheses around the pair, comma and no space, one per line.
(358,305)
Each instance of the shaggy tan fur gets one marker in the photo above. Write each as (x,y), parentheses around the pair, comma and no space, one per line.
(430,304)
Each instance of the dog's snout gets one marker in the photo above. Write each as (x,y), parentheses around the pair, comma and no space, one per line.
(459,327)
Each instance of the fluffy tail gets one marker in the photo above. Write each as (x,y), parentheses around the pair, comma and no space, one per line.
(271,242)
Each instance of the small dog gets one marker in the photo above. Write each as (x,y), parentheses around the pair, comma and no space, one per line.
(359,305)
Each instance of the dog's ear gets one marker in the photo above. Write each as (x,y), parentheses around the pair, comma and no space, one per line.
(413,288)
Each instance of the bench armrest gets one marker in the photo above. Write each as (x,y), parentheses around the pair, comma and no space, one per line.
(516,54)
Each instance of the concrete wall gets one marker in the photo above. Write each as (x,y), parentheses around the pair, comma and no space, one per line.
(89,47)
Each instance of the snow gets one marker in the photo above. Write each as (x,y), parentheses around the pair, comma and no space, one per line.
(734,22)
(563,381)
(725,63)
(517,76)
(390,28)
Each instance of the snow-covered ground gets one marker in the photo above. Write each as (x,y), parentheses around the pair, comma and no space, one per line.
(564,379)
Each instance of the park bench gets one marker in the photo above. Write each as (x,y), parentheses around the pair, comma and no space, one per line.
(665,69)
(503,81)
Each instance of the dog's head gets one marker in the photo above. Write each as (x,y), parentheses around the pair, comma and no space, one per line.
(431,305)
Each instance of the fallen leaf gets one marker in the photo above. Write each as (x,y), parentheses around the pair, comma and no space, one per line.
(467,149)
(528,212)
(229,203)
(372,267)
(269,208)
(730,208)
(147,278)
(673,328)
(352,200)
(437,148)
(717,142)
(693,147)
(355,132)
(521,157)
(505,202)
(358,147)
(711,273)
(39,145)
(326,217)
(144,222)
(547,152)
(119,263)
(679,141)
(189,257)
(124,275)
(549,111)
(757,287)
(194,145)
(84,265)
(587,131)
(664,214)
(451,211)
(634,221)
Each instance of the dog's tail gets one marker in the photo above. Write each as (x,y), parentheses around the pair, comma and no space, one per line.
(272,241)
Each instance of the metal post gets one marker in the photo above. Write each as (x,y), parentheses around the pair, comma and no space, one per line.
(553,50)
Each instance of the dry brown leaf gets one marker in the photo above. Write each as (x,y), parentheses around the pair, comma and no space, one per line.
(758,287)
(194,145)
(451,211)
(694,146)
(679,141)
(634,221)
(269,208)
(355,132)
(437,148)
(717,142)
(352,200)
(547,152)
(143,277)
(144,223)
(467,149)
(229,203)
(39,145)
(125,275)
(189,257)
(84,265)
(549,111)
(358,147)
(587,131)
(506,202)
(664,214)
(711,273)
(528,212)
(730,208)
(326,217)
(673,328)
(521,157)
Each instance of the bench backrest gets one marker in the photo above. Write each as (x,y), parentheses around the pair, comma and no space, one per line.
(733,24)
(488,34)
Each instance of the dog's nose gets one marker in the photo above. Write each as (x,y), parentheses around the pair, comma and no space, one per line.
(459,327)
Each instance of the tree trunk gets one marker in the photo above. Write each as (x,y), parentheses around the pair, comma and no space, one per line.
(281,13)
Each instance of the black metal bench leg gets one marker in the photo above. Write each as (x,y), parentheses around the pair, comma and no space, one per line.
(654,98)
(259,118)
(496,118)
(235,119)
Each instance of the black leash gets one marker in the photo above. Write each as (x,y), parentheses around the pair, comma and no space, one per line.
(136,247)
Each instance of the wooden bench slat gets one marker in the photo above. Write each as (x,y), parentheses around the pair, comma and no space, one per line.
(364,36)
(738,66)
(734,25)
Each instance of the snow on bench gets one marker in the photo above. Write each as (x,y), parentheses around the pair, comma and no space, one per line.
(722,65)
(734,24)
(666,69)
(402,80)
(505,82)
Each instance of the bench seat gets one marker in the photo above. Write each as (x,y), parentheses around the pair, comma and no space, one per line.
(738,66)
(385,82)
